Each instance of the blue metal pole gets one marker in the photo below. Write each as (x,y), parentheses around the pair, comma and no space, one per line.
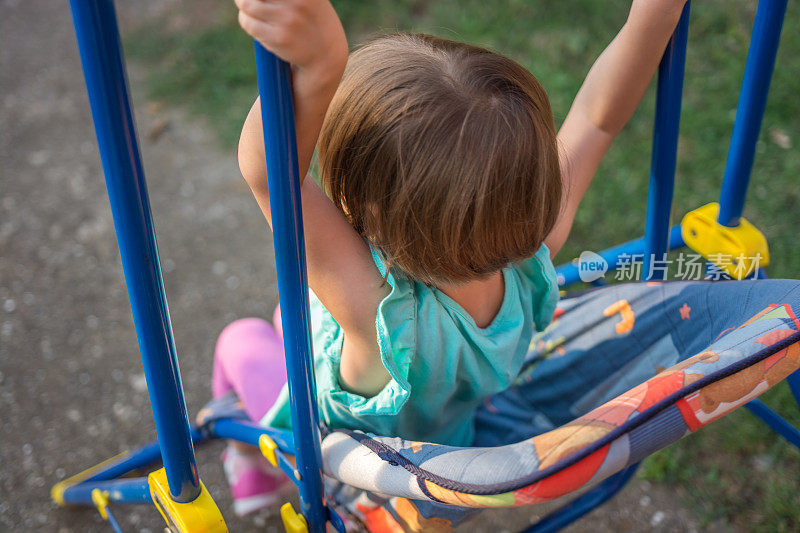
(280,142)
(113,521)
(775,421)
(106,83)
(794,385)
(665,148)
(128,461)
(568,272)
(135,490)
(750,110)
(250,433)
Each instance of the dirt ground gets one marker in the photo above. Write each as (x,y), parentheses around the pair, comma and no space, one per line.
(72,391)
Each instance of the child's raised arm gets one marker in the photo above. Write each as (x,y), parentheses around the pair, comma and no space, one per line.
(607,100)
(341,272)
(308,35)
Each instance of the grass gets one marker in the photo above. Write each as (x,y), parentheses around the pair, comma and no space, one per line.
(734,472)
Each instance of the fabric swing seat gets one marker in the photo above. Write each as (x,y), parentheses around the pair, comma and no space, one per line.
(623,371)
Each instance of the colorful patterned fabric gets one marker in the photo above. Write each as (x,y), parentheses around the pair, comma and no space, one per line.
(622,372)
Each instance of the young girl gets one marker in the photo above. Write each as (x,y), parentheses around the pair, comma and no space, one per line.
(446,192)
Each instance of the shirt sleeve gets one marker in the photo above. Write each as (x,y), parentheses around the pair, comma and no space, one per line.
(538,271)
(395,325)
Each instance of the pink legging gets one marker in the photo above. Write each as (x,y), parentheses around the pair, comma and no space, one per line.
(249,360)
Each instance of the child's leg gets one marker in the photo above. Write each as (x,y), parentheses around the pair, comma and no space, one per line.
(277,322)
(249,360)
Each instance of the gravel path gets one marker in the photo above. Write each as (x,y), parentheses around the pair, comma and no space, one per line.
(72,391)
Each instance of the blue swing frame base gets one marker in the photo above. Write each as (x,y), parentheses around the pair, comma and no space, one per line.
(177,484)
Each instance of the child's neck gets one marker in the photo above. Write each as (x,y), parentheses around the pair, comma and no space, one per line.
(481,298)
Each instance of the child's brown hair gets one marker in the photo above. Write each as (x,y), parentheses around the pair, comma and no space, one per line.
(443,155)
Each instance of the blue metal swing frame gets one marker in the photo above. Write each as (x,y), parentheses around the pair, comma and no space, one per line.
(105,75)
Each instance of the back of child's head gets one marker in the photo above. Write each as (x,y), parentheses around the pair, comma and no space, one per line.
(442,155)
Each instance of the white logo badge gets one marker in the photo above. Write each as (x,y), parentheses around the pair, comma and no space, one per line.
(591,266)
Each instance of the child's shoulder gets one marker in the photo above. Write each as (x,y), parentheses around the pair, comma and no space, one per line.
(540,283)
(530,292)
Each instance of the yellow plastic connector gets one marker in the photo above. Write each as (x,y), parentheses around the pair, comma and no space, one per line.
(293,522)
(269,449)
(100,499)
(198,516)
(736,251)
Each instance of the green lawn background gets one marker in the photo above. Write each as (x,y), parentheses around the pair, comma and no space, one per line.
(735,472)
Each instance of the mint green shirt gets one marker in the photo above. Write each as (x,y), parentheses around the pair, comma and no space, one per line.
(442,365)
